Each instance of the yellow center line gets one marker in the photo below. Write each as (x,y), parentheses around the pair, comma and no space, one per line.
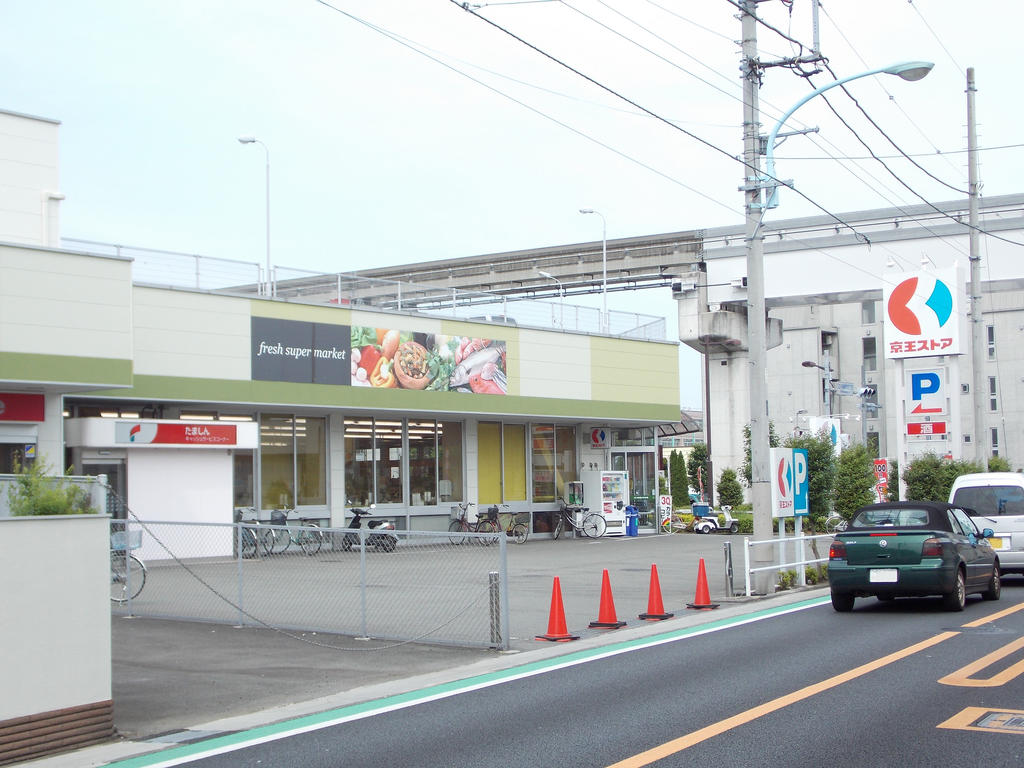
(962,676)
(685,742)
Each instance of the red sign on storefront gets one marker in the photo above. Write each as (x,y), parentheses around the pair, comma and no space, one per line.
(22,406)
(926,428)
(142,433)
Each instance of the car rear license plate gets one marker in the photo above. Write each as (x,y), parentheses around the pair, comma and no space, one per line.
(995,542)
(884,575)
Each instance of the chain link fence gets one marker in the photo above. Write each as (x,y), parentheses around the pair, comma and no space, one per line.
(409,586)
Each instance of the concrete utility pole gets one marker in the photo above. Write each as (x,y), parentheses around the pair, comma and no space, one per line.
(757,338)
(977,323)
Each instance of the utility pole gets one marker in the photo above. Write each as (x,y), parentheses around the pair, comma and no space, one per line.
(756,313)
(977,323)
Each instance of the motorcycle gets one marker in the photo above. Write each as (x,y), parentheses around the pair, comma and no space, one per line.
(380,536)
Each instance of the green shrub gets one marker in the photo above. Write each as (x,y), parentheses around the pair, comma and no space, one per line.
(35,492)
(786,579)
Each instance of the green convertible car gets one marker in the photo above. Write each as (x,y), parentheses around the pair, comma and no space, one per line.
(912,549)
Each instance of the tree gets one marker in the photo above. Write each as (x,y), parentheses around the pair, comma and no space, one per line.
(894,480)
(729,490)
(680,480)
(998,464)
(855,480)
(821,474)
(745,469)
(930,477)
(697,467)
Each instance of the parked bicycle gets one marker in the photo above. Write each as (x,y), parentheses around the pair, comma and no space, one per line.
(580,519)
(460,523)
(254,536)
(127,572)
(835,523)
(491,523)
(281,533)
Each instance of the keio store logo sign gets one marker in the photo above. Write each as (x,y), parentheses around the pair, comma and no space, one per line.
(921,316)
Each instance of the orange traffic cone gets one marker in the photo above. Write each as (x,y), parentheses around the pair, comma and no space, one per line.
(606,616)
(655,609)
(702,600)
(557,632)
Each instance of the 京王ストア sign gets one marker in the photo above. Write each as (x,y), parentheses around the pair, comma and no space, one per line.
(921,315)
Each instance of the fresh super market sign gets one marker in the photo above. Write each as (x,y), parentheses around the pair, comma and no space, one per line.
(383,358)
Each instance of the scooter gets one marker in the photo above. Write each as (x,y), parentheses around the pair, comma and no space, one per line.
(380,535)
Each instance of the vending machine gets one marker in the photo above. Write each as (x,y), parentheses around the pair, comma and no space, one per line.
(608,493)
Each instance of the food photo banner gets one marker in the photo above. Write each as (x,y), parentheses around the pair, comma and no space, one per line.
(384,358)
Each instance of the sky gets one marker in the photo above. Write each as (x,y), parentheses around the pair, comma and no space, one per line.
(404,131)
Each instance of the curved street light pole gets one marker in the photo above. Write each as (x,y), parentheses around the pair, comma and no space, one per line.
(253,140)
(561,293)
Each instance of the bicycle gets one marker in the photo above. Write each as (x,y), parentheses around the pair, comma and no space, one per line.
(259,536)
(491,524)
(835,523)
(127,572)
(460,523)
(580,519)
(280,535)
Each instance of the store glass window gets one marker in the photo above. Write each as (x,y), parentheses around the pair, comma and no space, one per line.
(358,462)
(277,470)
(422,463)
(311,461)
(542,440)
(449,461)
(387,437)
(293,455)
(623,438)
(566,467)
(243,478)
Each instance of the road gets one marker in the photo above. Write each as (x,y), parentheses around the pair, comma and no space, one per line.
(801,685)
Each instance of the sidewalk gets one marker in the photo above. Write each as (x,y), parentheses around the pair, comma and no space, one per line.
(176,682)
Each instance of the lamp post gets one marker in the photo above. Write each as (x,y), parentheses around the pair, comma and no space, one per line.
(826,375)
(754,211)
(604,268)
(908,70)
(253,140)
(561,294)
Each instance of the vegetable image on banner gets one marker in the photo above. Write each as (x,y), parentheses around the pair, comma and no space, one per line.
(392,358)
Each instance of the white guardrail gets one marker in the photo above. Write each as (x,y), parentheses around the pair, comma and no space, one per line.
(783,545)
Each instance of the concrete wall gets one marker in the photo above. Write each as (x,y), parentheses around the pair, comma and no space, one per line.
(56,613)
(29,190)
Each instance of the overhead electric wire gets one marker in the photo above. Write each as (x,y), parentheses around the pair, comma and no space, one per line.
(756,170)
(578,132)
(937,38)
(881,84)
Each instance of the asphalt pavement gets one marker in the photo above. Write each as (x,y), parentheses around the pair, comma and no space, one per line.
(176,682)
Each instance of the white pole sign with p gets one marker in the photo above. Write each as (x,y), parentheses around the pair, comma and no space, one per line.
(789,482)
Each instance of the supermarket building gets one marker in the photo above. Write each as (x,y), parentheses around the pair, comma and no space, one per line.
(196,401)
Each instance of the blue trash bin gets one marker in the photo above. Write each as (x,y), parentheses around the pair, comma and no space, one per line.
(632,521)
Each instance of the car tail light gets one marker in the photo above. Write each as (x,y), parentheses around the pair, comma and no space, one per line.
(931,548)
(837,551)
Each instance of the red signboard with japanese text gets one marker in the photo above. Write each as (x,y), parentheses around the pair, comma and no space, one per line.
(926,428)
(143,433)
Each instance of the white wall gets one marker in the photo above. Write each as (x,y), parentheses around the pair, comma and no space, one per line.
(29,192)
(55,631)
(182,485)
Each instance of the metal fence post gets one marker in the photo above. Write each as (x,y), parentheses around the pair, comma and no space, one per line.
(727,546)
(746,563)
(503,565)
(238,544)
(494,600)
(362,583)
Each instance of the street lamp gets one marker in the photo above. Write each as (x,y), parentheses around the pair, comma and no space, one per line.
(826,376)
(561,294)
(908,70)
(254,140)
(604,268)
(754,211)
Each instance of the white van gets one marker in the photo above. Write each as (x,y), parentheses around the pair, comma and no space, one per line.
(996,500)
